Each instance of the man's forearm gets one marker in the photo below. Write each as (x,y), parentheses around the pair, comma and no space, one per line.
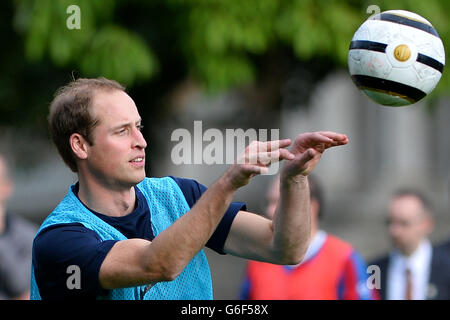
(292,220)
(138,261)
(176,246)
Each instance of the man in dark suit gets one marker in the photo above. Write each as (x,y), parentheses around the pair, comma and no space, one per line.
(414,269)
(446,246)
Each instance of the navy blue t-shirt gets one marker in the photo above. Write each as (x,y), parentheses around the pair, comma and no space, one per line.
(59,246)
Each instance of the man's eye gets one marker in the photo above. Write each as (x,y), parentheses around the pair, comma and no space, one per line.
(140,127)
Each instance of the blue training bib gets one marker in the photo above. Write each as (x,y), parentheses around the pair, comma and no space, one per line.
(167,204)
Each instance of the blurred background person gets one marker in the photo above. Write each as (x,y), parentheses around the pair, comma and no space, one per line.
(414,269)
(446,245)
(16,237)
(331,269)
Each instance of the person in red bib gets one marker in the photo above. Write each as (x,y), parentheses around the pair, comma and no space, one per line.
(330,270)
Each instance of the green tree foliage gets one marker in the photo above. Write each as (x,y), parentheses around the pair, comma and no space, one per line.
(98,47)
(218,38)
(221,37)
(220,43)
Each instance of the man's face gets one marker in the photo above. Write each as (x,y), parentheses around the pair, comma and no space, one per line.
(408,223)
(117,156)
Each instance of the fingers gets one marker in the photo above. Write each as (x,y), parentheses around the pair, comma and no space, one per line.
(307,161)
(338,138)
(319,140)
(267,158)
(274,145)
(318,137)
(259,156)
(310,154)
(285,154)
(253,170)
(265,153)
(240,175)
(302,159)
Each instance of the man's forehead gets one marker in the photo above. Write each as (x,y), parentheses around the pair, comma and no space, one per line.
(406,205)
(106,98)
(114,105)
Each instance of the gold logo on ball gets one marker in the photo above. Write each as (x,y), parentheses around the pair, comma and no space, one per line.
(402,52)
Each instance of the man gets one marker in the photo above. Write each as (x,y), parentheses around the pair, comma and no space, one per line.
(16,238)
(445,246)
(414,269)
(120,235)
(330,270)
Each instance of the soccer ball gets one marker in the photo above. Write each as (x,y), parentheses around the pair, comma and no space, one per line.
(396,57)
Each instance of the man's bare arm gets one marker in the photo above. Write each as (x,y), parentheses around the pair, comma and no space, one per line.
(137,261)
(285,239)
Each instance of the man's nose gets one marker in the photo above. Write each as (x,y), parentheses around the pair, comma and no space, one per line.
(139,140)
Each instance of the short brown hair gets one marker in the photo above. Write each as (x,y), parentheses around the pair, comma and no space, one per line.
(70,113)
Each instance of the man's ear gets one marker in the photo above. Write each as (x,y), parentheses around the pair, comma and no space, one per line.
(79,145)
